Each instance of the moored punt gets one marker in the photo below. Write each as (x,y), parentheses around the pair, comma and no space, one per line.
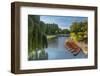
(72,47)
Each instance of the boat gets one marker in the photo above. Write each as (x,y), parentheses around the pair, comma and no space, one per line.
(71,46)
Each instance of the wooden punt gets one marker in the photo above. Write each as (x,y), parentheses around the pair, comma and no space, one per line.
(72,47)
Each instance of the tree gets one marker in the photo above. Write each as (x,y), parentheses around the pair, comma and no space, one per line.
(37,39)
(80,29)
(65,31)
(75,27)
(51,29)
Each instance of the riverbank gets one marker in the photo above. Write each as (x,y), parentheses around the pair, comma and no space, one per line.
(49,37)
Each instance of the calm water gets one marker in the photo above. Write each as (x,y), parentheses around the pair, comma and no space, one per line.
(56,50)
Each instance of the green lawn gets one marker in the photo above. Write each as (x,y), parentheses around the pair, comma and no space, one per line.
(51,36)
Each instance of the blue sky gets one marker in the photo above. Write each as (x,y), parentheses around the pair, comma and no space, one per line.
(62,21)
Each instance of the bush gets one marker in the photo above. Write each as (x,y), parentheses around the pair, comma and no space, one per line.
(80,36)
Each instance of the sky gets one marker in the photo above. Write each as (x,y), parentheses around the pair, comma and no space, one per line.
(63,22)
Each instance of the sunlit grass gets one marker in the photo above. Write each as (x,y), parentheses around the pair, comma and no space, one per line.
(50,36)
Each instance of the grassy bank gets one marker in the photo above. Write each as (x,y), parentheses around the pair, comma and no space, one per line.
(49,37)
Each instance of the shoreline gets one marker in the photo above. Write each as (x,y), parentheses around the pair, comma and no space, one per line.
(49,37)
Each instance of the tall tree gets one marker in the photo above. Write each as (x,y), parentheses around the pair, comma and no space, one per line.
(36,34)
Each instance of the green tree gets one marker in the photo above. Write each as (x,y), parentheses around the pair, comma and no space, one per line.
(75,27)
(37,39)
(65,31)
(80,29)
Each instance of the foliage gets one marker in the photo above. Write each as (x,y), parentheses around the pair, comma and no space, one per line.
(52,29)
(43,55)
(65,31)
(37,39)
(79,31)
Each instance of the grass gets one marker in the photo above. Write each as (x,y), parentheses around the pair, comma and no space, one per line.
(51,36)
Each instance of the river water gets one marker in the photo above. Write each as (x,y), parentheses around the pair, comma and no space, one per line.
(56,50)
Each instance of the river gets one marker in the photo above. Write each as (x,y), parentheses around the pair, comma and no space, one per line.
(56,50)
